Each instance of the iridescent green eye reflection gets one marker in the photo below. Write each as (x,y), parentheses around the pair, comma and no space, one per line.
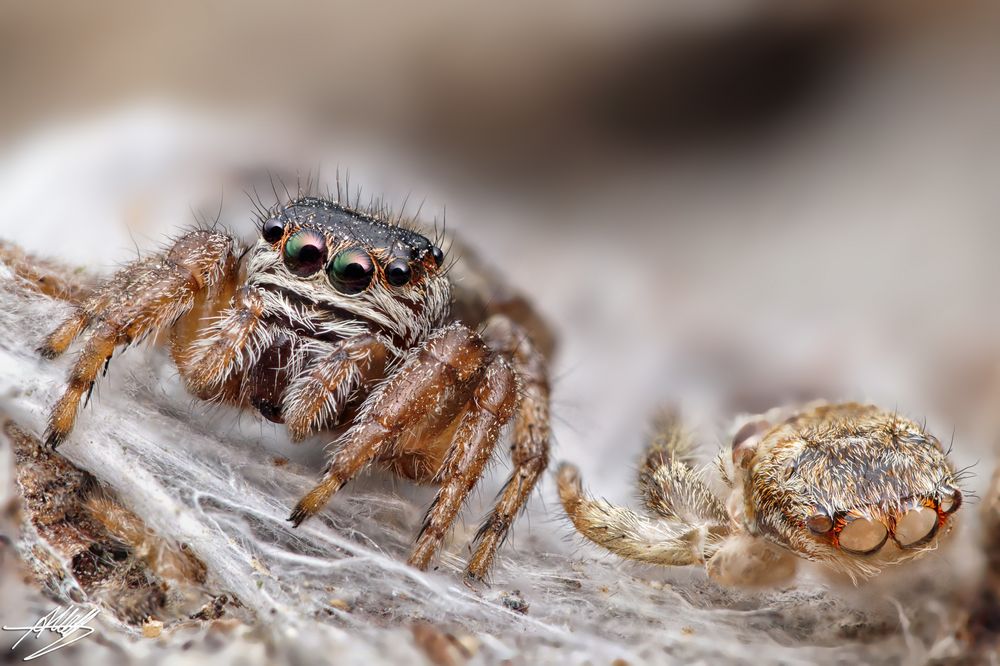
(305,252)
(351,271)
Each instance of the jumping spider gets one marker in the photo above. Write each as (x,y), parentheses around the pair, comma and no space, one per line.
(339,317)
(849,485)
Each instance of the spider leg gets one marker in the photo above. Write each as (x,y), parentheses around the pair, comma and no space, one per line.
(481,292)
(668,439)
(141,299)
(491,407)
(631,535)
(314,398)
(209,361)
(439,376)
(749,561)
(46,276)
(530,448)
(670,488)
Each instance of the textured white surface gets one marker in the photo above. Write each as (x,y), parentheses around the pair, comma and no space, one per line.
(206,476)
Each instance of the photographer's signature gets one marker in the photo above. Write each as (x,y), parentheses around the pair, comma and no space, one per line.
(70,623)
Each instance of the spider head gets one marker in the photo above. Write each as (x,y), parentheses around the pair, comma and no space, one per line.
(353,264)
(850,484)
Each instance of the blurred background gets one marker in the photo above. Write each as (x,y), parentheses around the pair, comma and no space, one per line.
(723,205)
(737,203)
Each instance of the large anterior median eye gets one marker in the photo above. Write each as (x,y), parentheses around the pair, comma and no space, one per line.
(863,536)
(351,271)
(305,252)
(916,526)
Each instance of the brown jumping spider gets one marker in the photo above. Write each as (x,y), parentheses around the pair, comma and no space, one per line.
(338,316)
(850,485)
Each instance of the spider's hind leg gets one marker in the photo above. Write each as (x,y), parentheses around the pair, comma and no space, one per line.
(689,525)
(480,292)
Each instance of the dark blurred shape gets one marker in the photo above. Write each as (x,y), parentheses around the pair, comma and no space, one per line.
(668,90)
(497,93)
(653,90)
(981,632)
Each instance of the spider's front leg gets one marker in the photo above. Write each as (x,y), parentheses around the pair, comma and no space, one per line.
(475,439)
(207,357)
(669,486)
(316,396)
(633,536)
(690,523)
(453,375)
(141,299)
(239,357)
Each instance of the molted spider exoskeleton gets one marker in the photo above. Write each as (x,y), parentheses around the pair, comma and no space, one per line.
(339,318)
(852,486)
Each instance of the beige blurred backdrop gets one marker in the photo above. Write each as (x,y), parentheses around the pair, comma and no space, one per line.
(725,205)
(776,198)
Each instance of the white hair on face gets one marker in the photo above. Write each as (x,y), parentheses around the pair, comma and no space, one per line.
(378,307)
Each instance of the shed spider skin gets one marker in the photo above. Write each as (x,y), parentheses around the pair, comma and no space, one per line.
(849,485)
(338,319)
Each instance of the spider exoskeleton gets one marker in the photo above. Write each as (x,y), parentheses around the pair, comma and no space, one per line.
(340,319)
(849,485)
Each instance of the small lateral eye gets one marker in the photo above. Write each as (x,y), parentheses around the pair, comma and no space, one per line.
(273,230)
(351,271)
(437,254)
(398,272)
(305,252)
(951,501)
(819,523)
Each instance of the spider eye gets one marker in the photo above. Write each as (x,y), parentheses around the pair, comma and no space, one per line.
(437,254)
(916,526)
(273,230)
(398,272)
(819,523)
(351,271)
(863,536)
(305,252)
(951,502)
